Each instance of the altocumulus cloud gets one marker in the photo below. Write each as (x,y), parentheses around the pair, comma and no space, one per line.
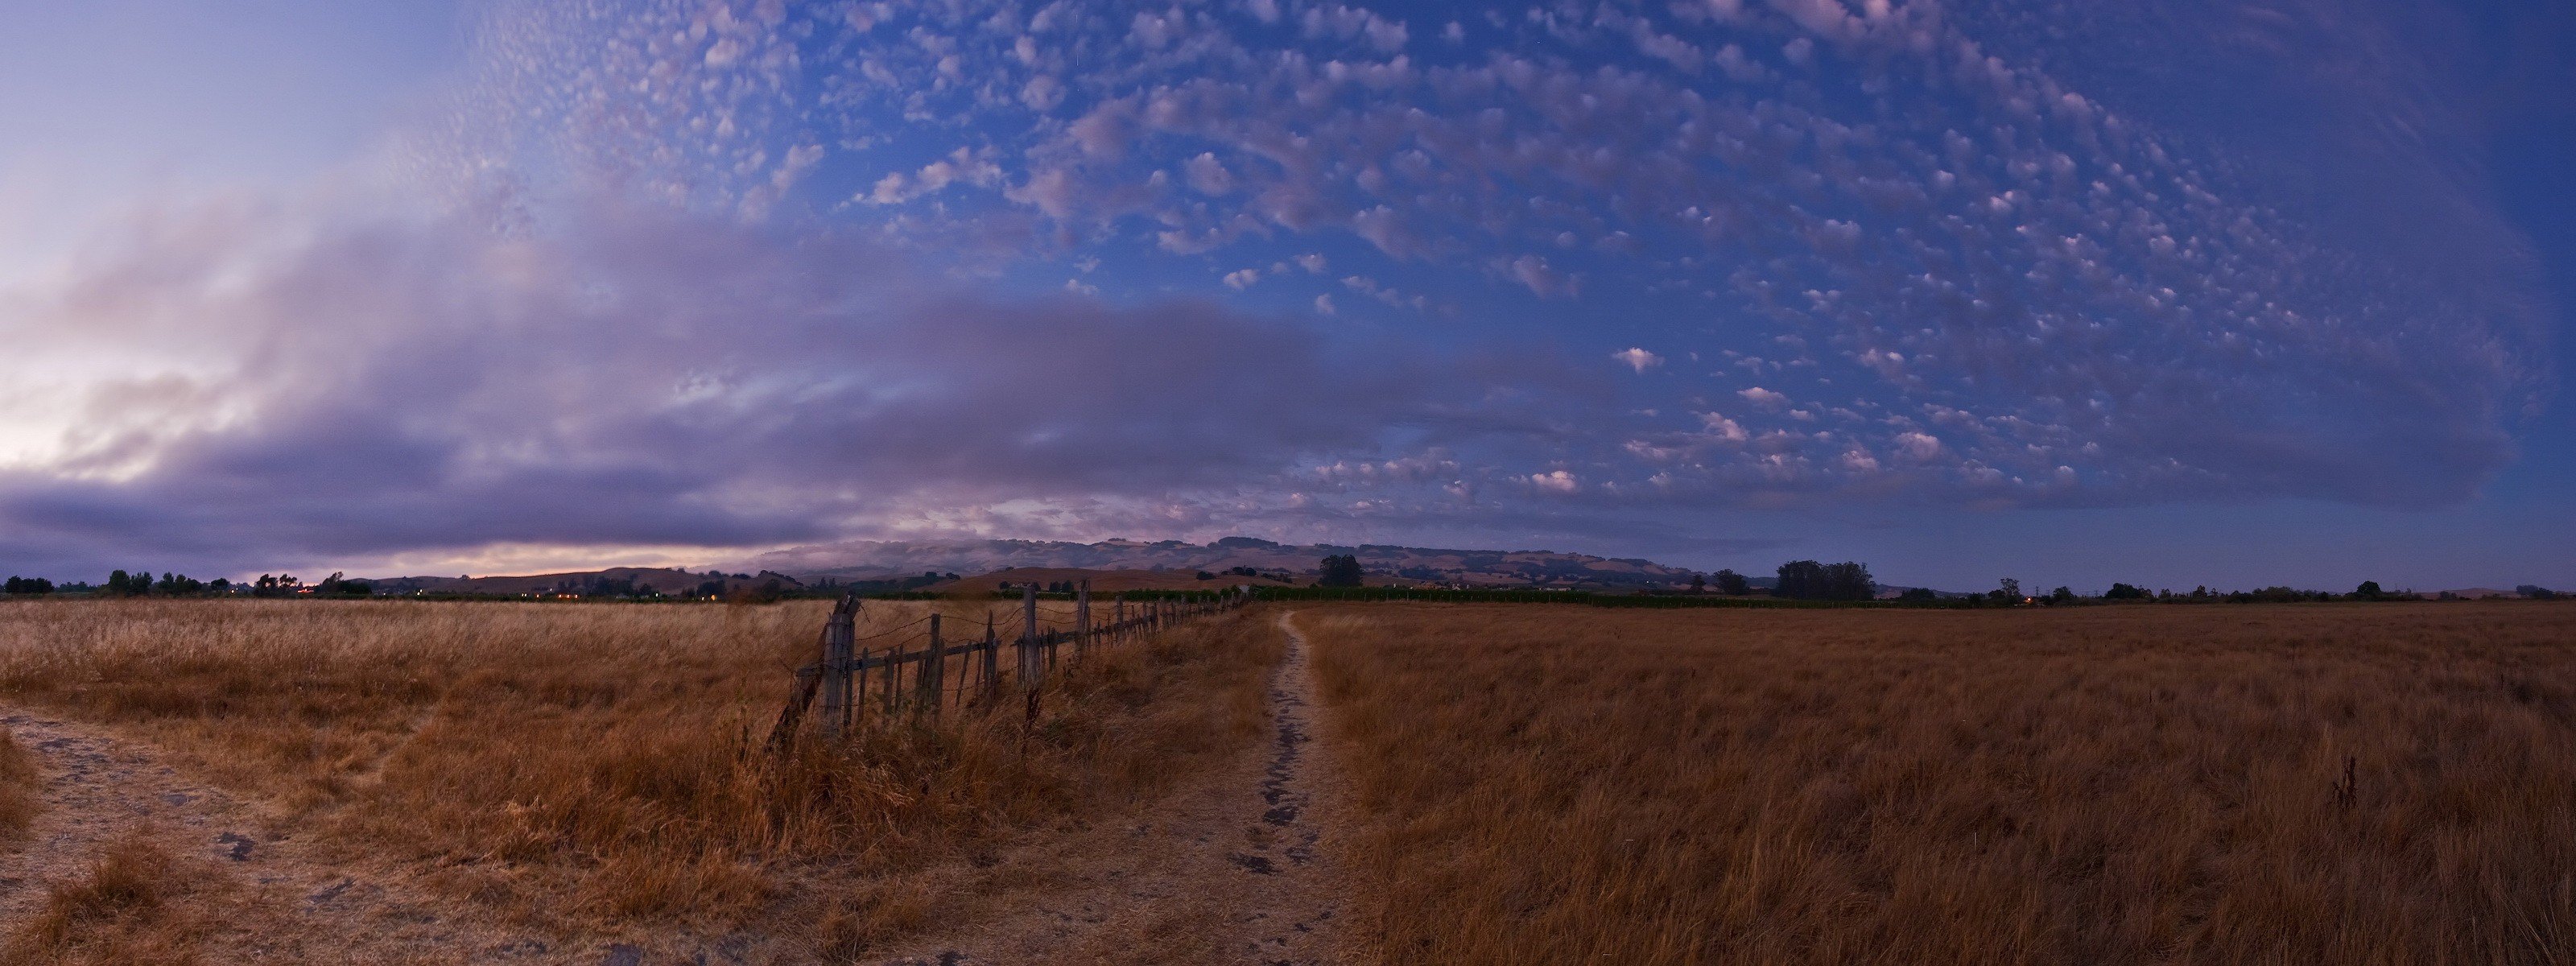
(737,274)
(1887,208)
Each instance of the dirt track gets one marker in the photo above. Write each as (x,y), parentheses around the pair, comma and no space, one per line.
(1236,870)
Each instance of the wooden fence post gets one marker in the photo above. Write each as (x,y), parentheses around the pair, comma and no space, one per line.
(893,676)
(1029,635)
(838,636)
(934,683)
(992,656)
(859,692)
(1081,618)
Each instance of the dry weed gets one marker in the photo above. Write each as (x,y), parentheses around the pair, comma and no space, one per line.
(2315,784)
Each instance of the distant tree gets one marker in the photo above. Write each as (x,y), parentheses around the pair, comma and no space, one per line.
(1699,584)
(2061,595)
(2124,592)
(1809,580)
(1849,580)
(2009,591)
(32,586)
(1204,575)
(1731,583)
(1800,580)
(1918,595)
(2369,590)
(2536,592)
(1341,570)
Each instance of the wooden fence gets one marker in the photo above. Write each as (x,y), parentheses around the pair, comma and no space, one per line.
(931,664)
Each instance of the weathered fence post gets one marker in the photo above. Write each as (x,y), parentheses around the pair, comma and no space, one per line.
(893,676)
(992,656)
(859,687)
(1081,618)
(838,636)
(934,683)
(1029,669)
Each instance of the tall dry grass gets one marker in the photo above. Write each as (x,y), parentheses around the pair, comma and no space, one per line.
(584,764)
(2103,785)
(20,782)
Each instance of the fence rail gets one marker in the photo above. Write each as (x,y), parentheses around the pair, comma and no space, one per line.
(924,667)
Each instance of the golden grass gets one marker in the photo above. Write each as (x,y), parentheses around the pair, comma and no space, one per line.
(115,913)
(2098,785)
(580,766)
(19,784)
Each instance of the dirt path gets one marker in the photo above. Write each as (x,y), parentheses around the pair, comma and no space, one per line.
(1235,870)
(253,892)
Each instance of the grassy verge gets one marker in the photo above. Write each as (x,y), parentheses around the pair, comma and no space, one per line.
(580,767)
(2097,785)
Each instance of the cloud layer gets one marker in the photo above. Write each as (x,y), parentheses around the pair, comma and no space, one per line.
(736,275)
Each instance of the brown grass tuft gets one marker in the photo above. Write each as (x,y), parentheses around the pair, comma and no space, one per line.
(2112,784)
(112,914)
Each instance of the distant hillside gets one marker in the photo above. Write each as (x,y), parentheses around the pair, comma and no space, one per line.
(861,560)
(1102,581)
(671,582)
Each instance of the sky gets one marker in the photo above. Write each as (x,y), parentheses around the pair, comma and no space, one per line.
(2194,292)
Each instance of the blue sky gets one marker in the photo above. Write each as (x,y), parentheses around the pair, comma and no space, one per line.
(2185,293)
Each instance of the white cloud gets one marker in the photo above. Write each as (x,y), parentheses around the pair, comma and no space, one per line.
(1638,359)
(1918,446)
(1042,93)
(1208,176)
(1557,482)
(1723,428)
(1764,398)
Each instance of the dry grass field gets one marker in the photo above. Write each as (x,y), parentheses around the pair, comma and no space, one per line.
(576,769)
(1520,784)
(2098,785)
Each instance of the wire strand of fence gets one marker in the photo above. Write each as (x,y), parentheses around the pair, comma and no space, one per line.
(912,675)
